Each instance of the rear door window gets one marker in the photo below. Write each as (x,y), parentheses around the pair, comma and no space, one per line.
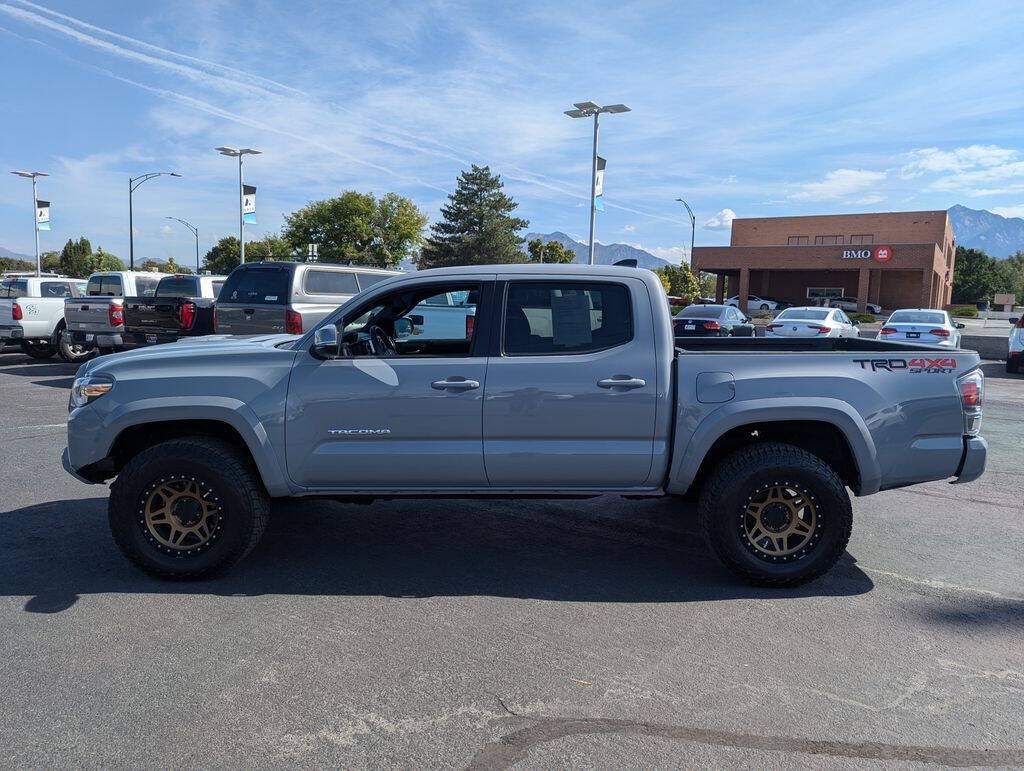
(257,286)
(565,317)
(331,282)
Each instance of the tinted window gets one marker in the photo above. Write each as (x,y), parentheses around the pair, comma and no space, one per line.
(917,317)
(55,289)
(806,314)
(701,312)
(256,286)
(331,282)
(565,317)
(145,286)
(14,288)
(178,286)
(369,279)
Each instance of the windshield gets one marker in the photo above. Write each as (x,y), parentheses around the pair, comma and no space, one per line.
(701,312)
(804,314)
(917,317)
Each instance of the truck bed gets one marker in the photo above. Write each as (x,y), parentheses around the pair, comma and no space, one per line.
(773,345)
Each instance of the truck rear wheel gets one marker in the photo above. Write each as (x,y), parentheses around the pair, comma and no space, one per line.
(776,515)
(38,350)
(70,351)
(187,508)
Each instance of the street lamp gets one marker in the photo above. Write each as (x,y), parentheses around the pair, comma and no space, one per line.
(693,225)
(35,217)
(195,232)
(585,110)
(232,152)
(133,184)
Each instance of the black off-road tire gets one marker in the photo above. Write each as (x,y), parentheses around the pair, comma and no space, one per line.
(38,350)
(739,478)
(232,483)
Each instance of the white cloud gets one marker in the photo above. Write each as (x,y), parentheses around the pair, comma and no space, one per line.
(839,183)
(721,221)
(868,200)
(932,159)
(167,230)
(1009,211)
(674,254)
(629,228)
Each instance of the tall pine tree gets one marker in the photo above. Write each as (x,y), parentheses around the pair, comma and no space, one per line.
(477,226)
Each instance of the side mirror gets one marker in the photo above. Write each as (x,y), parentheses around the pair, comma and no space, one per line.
(403,328)
(855,323)
(1013,323)
(325,342)
(961,325)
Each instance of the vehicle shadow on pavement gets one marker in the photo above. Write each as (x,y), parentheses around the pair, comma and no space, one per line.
(55,552)
(997,370)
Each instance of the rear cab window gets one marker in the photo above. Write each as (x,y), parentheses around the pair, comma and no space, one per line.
(178,286)
(556,317)
(257,286)
(104,285)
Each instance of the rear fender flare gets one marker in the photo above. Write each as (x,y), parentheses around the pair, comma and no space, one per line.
(687,460)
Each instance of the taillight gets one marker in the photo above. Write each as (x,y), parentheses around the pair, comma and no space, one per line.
(888,331)
(939,332)
(972,393)
(187,315)
(470,324)
(821,330)
(292,323)
(712,325)
(773,327)
(16,312)
(115,314)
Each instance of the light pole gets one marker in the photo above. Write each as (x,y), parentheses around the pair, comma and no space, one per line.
(35,216)
(133,185)
(195,232)
(232,152)
(693,225)
(585,110)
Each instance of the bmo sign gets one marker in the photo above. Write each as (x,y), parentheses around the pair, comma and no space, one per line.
(880,254)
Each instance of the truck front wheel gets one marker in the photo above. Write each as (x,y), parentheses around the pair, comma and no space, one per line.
(187,508)
(775,514)
(38,350)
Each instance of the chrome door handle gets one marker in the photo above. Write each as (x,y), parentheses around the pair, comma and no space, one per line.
(455,384)
(621,381)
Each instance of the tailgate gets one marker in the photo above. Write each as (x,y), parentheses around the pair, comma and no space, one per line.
(85,314)
(238,319)
(151,314)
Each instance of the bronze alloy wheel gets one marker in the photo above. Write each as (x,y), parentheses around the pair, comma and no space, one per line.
(781,522)
(181,515)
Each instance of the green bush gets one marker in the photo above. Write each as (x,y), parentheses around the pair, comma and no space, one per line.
(963,311)
(863,318)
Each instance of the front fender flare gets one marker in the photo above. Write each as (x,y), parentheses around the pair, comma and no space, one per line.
(687,460)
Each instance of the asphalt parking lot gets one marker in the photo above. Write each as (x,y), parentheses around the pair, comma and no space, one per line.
(524,634)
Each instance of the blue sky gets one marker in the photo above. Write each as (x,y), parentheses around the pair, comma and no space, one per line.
(745,109)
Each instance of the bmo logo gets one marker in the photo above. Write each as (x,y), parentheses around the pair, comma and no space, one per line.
(856,254)
(883,254)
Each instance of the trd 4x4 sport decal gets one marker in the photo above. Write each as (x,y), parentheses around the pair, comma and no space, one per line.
(941,365)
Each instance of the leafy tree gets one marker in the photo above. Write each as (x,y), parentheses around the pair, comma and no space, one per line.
(101,260)
(552,252)
(477,226)
(13,263)
(678,281)
(270,248)
(223,256)
(49,262)
(707,284)
(975,276)
(356,227)
(75,258)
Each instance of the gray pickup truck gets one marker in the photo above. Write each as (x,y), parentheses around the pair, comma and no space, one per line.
(570,384)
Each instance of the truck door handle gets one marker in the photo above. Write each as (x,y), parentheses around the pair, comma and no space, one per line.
(622,381)
(455,384)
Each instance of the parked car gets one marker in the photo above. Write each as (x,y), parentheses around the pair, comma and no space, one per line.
(780,305)
(754,303)
(291,297)
(812,322)
(1015,345)
(713,320)
(32,315)
(571,384)
(445,316)
(97,320)
(852,303)
(924,325)
(181,306)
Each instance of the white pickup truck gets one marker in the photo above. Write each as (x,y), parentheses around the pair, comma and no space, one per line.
(97,320)
(32,315)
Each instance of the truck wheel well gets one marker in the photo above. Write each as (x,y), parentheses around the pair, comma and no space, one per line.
(819,438)
(135,439)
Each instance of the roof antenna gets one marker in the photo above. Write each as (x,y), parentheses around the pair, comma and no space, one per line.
(627,263)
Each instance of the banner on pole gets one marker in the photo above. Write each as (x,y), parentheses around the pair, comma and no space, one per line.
(599,185)
(42,215)
(249,204)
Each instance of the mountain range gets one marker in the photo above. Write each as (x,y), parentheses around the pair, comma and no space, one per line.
(604,254)
(15,255)
(994,234)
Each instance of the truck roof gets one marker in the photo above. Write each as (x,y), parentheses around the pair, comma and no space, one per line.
(534,269)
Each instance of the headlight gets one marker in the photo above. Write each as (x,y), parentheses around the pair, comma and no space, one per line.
(88,389)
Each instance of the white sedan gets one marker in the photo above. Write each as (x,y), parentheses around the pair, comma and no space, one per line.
(754,303)
(922,325)
(812,322)
(850,304)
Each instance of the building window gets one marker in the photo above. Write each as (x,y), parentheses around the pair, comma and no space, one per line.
(822,240)
(818,292)
(798,241)
(863,238)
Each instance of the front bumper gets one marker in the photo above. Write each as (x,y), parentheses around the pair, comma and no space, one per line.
(972,465)
(65,461)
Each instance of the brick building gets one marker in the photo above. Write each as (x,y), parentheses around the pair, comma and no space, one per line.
(894,259)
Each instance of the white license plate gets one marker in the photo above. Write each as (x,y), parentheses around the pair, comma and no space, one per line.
(150,338)
(90,338)
(687,326)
